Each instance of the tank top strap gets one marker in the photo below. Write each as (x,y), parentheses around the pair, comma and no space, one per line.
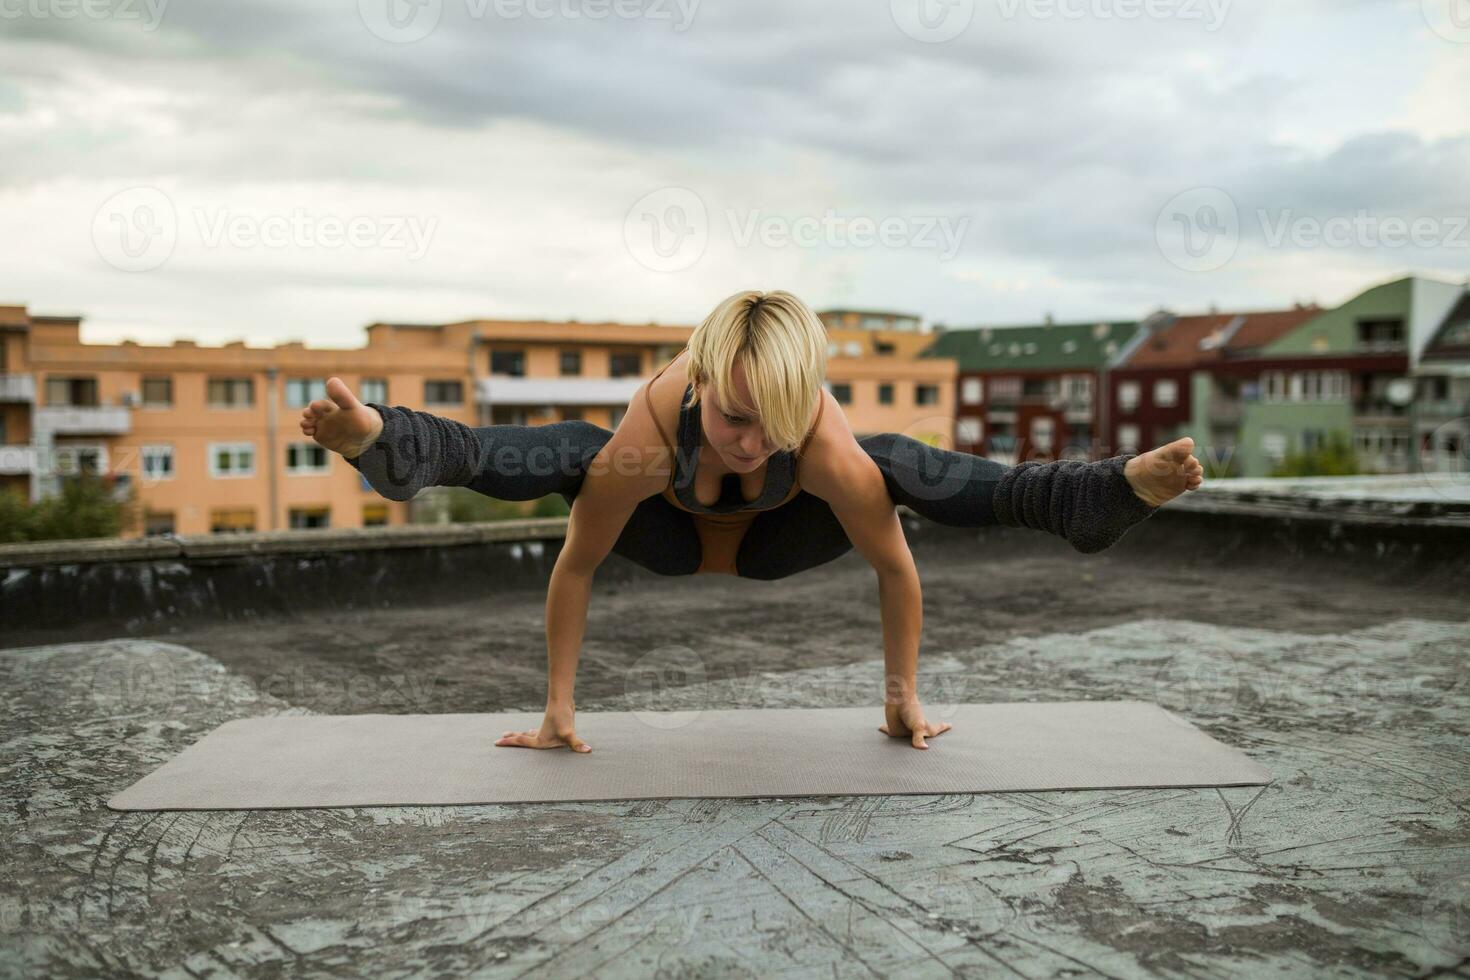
(648,398)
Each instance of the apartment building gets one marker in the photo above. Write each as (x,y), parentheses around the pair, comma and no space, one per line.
(1028,392)
(210,436)
(1349,369)
(1440,413)
(1183,375)
(876,373)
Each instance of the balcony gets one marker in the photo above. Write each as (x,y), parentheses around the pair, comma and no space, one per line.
(1443,408)
(506,390)
(111,420)
(17,388)
(17,460)
(1379,411)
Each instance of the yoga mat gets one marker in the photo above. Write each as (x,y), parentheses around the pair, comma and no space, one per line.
(292,761)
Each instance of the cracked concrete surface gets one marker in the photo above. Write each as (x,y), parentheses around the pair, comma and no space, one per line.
(1355,862)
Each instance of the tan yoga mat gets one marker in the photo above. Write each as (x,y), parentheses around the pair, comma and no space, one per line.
(291,761)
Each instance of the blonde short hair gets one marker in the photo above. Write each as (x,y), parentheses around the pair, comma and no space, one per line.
(783,348)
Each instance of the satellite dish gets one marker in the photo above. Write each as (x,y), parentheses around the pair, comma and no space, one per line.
(1400,391)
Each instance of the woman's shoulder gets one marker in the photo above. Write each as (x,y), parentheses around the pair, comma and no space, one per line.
(829,435)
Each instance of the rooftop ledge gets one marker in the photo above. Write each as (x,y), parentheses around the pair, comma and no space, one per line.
(298,541)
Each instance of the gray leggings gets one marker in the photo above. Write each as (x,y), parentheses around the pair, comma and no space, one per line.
(1091,505)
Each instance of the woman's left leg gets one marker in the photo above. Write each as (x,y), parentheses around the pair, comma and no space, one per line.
(1090,504)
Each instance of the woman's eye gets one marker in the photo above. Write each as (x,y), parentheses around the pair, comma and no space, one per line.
(733,420)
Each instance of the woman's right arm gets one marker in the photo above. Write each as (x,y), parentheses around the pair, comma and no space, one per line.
(632,466)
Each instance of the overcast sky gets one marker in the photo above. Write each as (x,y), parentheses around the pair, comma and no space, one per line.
(221,169)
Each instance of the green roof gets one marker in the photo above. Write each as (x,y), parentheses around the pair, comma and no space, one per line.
(1039,347)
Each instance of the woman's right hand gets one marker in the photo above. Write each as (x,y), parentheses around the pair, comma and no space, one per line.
(556,731)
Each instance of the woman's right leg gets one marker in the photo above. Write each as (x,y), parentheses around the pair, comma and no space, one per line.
(518,462)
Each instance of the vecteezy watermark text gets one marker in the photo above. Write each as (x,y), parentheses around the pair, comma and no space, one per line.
(137,229)
(669,229)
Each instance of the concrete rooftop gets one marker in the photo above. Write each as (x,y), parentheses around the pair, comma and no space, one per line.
(1348,683)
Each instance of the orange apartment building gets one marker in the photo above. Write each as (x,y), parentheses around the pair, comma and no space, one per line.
(210,437)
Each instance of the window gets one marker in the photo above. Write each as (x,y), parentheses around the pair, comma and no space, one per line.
(228,459)
(300,392)
(883,349)
(1039,388)
(1381,335)
(306,458)
(842,393)
(158,462)
(71,391)
(509,415)
(1127,397)
(885,394)
(571,414)
(1127,438)
(571,363)
(158,522)
(926,394)
(158,392)
(1043,429)
(508,362)
(1005,390)
(972,391)
(1166,392)
(374,515)
(1313,439)
(302,517)
(373,390)
(970,431)
(233,520)
(1078,388)
(1273,445)
(230,393)
(625,365)
(443,393)
(617,415)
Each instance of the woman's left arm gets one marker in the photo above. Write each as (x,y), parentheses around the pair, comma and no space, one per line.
(838,470)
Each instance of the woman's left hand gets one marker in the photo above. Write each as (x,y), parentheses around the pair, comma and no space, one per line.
(906,720)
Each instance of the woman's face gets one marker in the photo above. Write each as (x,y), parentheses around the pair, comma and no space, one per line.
(738,438)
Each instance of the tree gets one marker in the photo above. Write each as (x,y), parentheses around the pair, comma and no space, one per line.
(86,507)
(1336,458)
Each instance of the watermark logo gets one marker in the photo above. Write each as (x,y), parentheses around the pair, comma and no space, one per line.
(136,230)
(655,684)
(1445,916)
(831,230)
(1211,13)
(667,230)
(406,21)
(932,21)
(148,13)
(1445,458)
(1199,230)
(670,229)
(400,21)
(1450,19)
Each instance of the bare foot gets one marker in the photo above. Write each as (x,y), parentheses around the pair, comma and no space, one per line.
(341,422)
(1160,475)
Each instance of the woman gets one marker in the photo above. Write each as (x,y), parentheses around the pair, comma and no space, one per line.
(738,461)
